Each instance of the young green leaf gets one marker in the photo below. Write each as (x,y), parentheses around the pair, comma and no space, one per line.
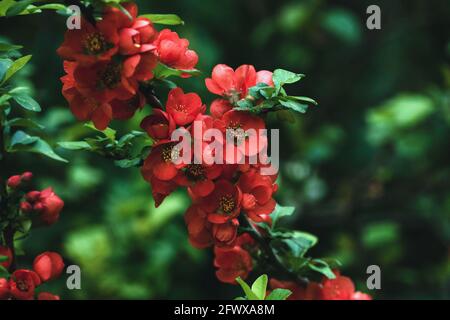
(322,267)
(166,19)
(27,102)
(18,7)
(280,212)
(8,47)
(279,294)
(75,145)
(247,290)
(22,142)
(162,71)
(259,286)
(15,66)
(24,122)
(281,77)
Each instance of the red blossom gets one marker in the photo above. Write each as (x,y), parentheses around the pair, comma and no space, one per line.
(159,125)
(232,263)
(174,52)
(184,107)
(198,227)
(23,283)
(224,203)
(48,265)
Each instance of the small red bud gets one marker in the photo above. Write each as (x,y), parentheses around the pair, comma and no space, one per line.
(38,207)
(32,196)
(48,265)
(26,176)
(14,182)
(25,207)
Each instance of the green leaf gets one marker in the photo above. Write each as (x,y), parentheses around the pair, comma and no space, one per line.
(166,19)
(280,212)
(3,258)
(294,105)
(22,142)
(16,66)
(279,294)
(259,286)
(27,102)
(3,272)
(108,132)
(248,291)
(281,77)
(322,267)
(303,99)
(5,64)
(18,7)
(162,71)
(24,122)
(8,47)
(75,145)
(128,163)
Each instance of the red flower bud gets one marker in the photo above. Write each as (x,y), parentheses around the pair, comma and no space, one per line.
(25,207)
(26,176)
(22,284)
(13,182)
(32,196)
(48,265)
(4,289)
(47,296)
(6,252)
(51,206)
(38,207)
(225,234)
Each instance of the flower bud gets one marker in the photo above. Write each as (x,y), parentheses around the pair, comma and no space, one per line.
(48,265)
(38,207)
(32,196)
(26,176)
(25,207)
(13,182)
(51,206)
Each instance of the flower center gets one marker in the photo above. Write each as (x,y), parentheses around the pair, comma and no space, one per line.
(111,76)
(170,153)
(95,43)
(233,96)
(195,172)
(180,108)
(22,285)
(226,204)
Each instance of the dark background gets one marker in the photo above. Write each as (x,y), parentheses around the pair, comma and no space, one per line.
(368,169)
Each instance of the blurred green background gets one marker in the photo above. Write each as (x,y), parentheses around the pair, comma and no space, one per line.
(368,169)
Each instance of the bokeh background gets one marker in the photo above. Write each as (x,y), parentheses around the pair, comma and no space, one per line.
(368,169)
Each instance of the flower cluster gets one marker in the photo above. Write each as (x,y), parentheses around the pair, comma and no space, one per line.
(106,62)
(22,283)
(339,288)
(39,208)
(221,193)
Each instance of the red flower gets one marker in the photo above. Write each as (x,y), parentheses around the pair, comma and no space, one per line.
(90,44)
(159,170)
(232,263)
(225,233)
(247,139)
(22,284)
(4,289)
(6,252)
(199,178)
(219,107)
(47,204)
(174,52)
(198,227)
(125,109)
(48,265)
(224,203)
(47,296)
(137,38)
(340,288)
(257,195)
(234,85)
(159,125)
(183,107)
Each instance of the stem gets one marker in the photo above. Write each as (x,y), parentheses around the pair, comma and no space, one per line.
(264,245)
